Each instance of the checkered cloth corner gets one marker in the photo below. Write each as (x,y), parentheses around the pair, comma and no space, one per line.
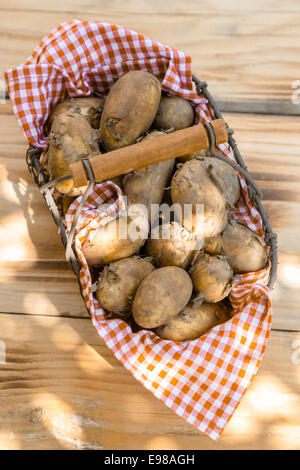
(203,380)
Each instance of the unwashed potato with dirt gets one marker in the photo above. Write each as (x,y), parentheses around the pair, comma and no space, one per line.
(119,238)
(212,277)
(174,112)
(129,110)
(193,322)
(171,245)
(118,282)
(90,107)
(161,296)
(193,188)
(71,139)
(224,177)
(147,185)
(244,250)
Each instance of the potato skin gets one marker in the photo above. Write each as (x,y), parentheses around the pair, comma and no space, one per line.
(129,110)
(147,185)
(211,276)
(192,185)
(225,178)
(111,242)
(176,250)
(70,139)
(174,111)
(245,251)
(161,296)
(89,107)
(193,322)
(118,282)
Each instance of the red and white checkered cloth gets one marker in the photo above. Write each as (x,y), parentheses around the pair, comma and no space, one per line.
(202,380)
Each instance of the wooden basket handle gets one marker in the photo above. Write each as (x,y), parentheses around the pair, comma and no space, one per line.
(145,153)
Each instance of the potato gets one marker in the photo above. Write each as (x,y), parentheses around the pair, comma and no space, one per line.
(114,240)
(192,322)
(244,250)
(171,245)
(211,276)
(161,296)
(147,185)
(70,140)
(89,107)
(118,282)
(225,178)
(191,186)
(174,112)
(129,110)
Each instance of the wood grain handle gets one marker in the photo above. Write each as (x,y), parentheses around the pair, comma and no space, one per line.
(149,152)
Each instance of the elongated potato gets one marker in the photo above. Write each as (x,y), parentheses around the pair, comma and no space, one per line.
(192,189)
(147,185)
(118,282)
(174,112)
(244,250)
(71,139)
(119,238)
(211,276)
(171,245)
(161,296)
(225,178)
(129,110)
(193,322)
(89,107)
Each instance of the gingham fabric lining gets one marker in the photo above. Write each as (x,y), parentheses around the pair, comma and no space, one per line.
(202,380)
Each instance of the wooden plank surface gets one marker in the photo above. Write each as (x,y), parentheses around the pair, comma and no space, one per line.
(247,51)
(32,256)
(61,388)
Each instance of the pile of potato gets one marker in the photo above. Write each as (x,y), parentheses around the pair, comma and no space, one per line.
(172,283)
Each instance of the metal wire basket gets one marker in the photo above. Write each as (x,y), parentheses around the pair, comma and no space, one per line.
(33,161)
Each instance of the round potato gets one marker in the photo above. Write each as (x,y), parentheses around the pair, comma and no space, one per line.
(120,238)
(161,296)
(193,322)
(89,107)
(171,245)
(71,139)
(174,112)
(118,282)
(129,110)
(244,250)
(147,185)
(190,156)
(225,178)
(211,276)
(200,205)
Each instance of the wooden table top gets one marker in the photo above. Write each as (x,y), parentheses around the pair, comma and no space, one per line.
(61,388)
